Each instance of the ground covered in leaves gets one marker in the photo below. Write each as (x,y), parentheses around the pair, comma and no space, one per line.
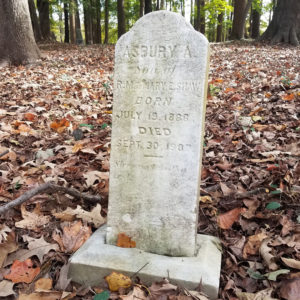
(55,122)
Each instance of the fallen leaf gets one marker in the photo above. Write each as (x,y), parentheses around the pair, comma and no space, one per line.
(136,293)
(73,237)
(117,280)
(226,220)
(4,231)
(92,176)
(94,216)
(32,220)
(6,288)
(7,247)
(43,284)
(30,117)
(103,296)
(163,288)
(288,97)
(22,271)
(60,125)
(269,259)
(41,296)
(125,241)
(261,295)
(290,289)
(253,244)
(293,263)
(273,275)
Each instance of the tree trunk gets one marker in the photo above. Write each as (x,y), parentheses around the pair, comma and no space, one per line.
(66,14)
(79,39)
(162,4)
(148,6)
(202,16)
(285,24)
(35,21)
(142,7)
(192,20)
(106,20)
(241,8)
(88,23)
(17,44)
(197,16)
(98,22)
(121,18)
(255,23)
(44,15)
(220,27)
(72,21)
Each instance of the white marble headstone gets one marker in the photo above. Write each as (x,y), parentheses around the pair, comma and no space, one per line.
(160,85)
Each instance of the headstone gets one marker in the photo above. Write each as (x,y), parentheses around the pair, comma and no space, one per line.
(160,83)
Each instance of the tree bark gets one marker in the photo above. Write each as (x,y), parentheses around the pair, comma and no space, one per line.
(17,43)
(202,16)
(72,21)
(121,18)
(148,6)
(241,9)
(255,23)
(197,17)
(142,7)
(79,39)
(98,39)
(35,21)
(106,20)
(88,23)
(192,19)
(220,27)
(66,14)
(162,4)
(44,15)
(285,24)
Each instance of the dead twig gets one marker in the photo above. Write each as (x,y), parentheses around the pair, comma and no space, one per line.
(3,153)
(48,187)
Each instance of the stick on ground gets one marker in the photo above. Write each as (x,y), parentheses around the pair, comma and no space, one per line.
(46,188)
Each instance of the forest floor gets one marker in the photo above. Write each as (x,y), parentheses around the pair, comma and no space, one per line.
(55,120)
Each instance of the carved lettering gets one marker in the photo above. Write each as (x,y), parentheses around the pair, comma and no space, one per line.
(154,131)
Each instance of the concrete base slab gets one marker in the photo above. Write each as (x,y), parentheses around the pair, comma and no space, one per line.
(96,259)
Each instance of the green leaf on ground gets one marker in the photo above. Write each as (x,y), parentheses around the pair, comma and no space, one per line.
(102,296)
(273,275)
(273,205)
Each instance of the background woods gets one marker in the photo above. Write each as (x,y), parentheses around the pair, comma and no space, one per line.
(104,21)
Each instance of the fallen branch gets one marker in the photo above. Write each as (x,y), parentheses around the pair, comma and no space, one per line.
(48,187)
(3,153)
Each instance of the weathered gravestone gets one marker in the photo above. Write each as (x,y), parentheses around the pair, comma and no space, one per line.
(160,84)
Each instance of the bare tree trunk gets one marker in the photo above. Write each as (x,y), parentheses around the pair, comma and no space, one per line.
(192,20)
(35,21)
(162,4)
(72,21)
(98,39)
(17,44)
(88,23)
(255,23)
(285,24)
(197,16)
(66,14)
(148,6)
(44,15)
(121,18)
(202,16)
(106,18)
(220,27)
(241,9)
(79,39)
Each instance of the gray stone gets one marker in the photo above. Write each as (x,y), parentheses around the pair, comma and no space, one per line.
(96,259)
(160,84)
